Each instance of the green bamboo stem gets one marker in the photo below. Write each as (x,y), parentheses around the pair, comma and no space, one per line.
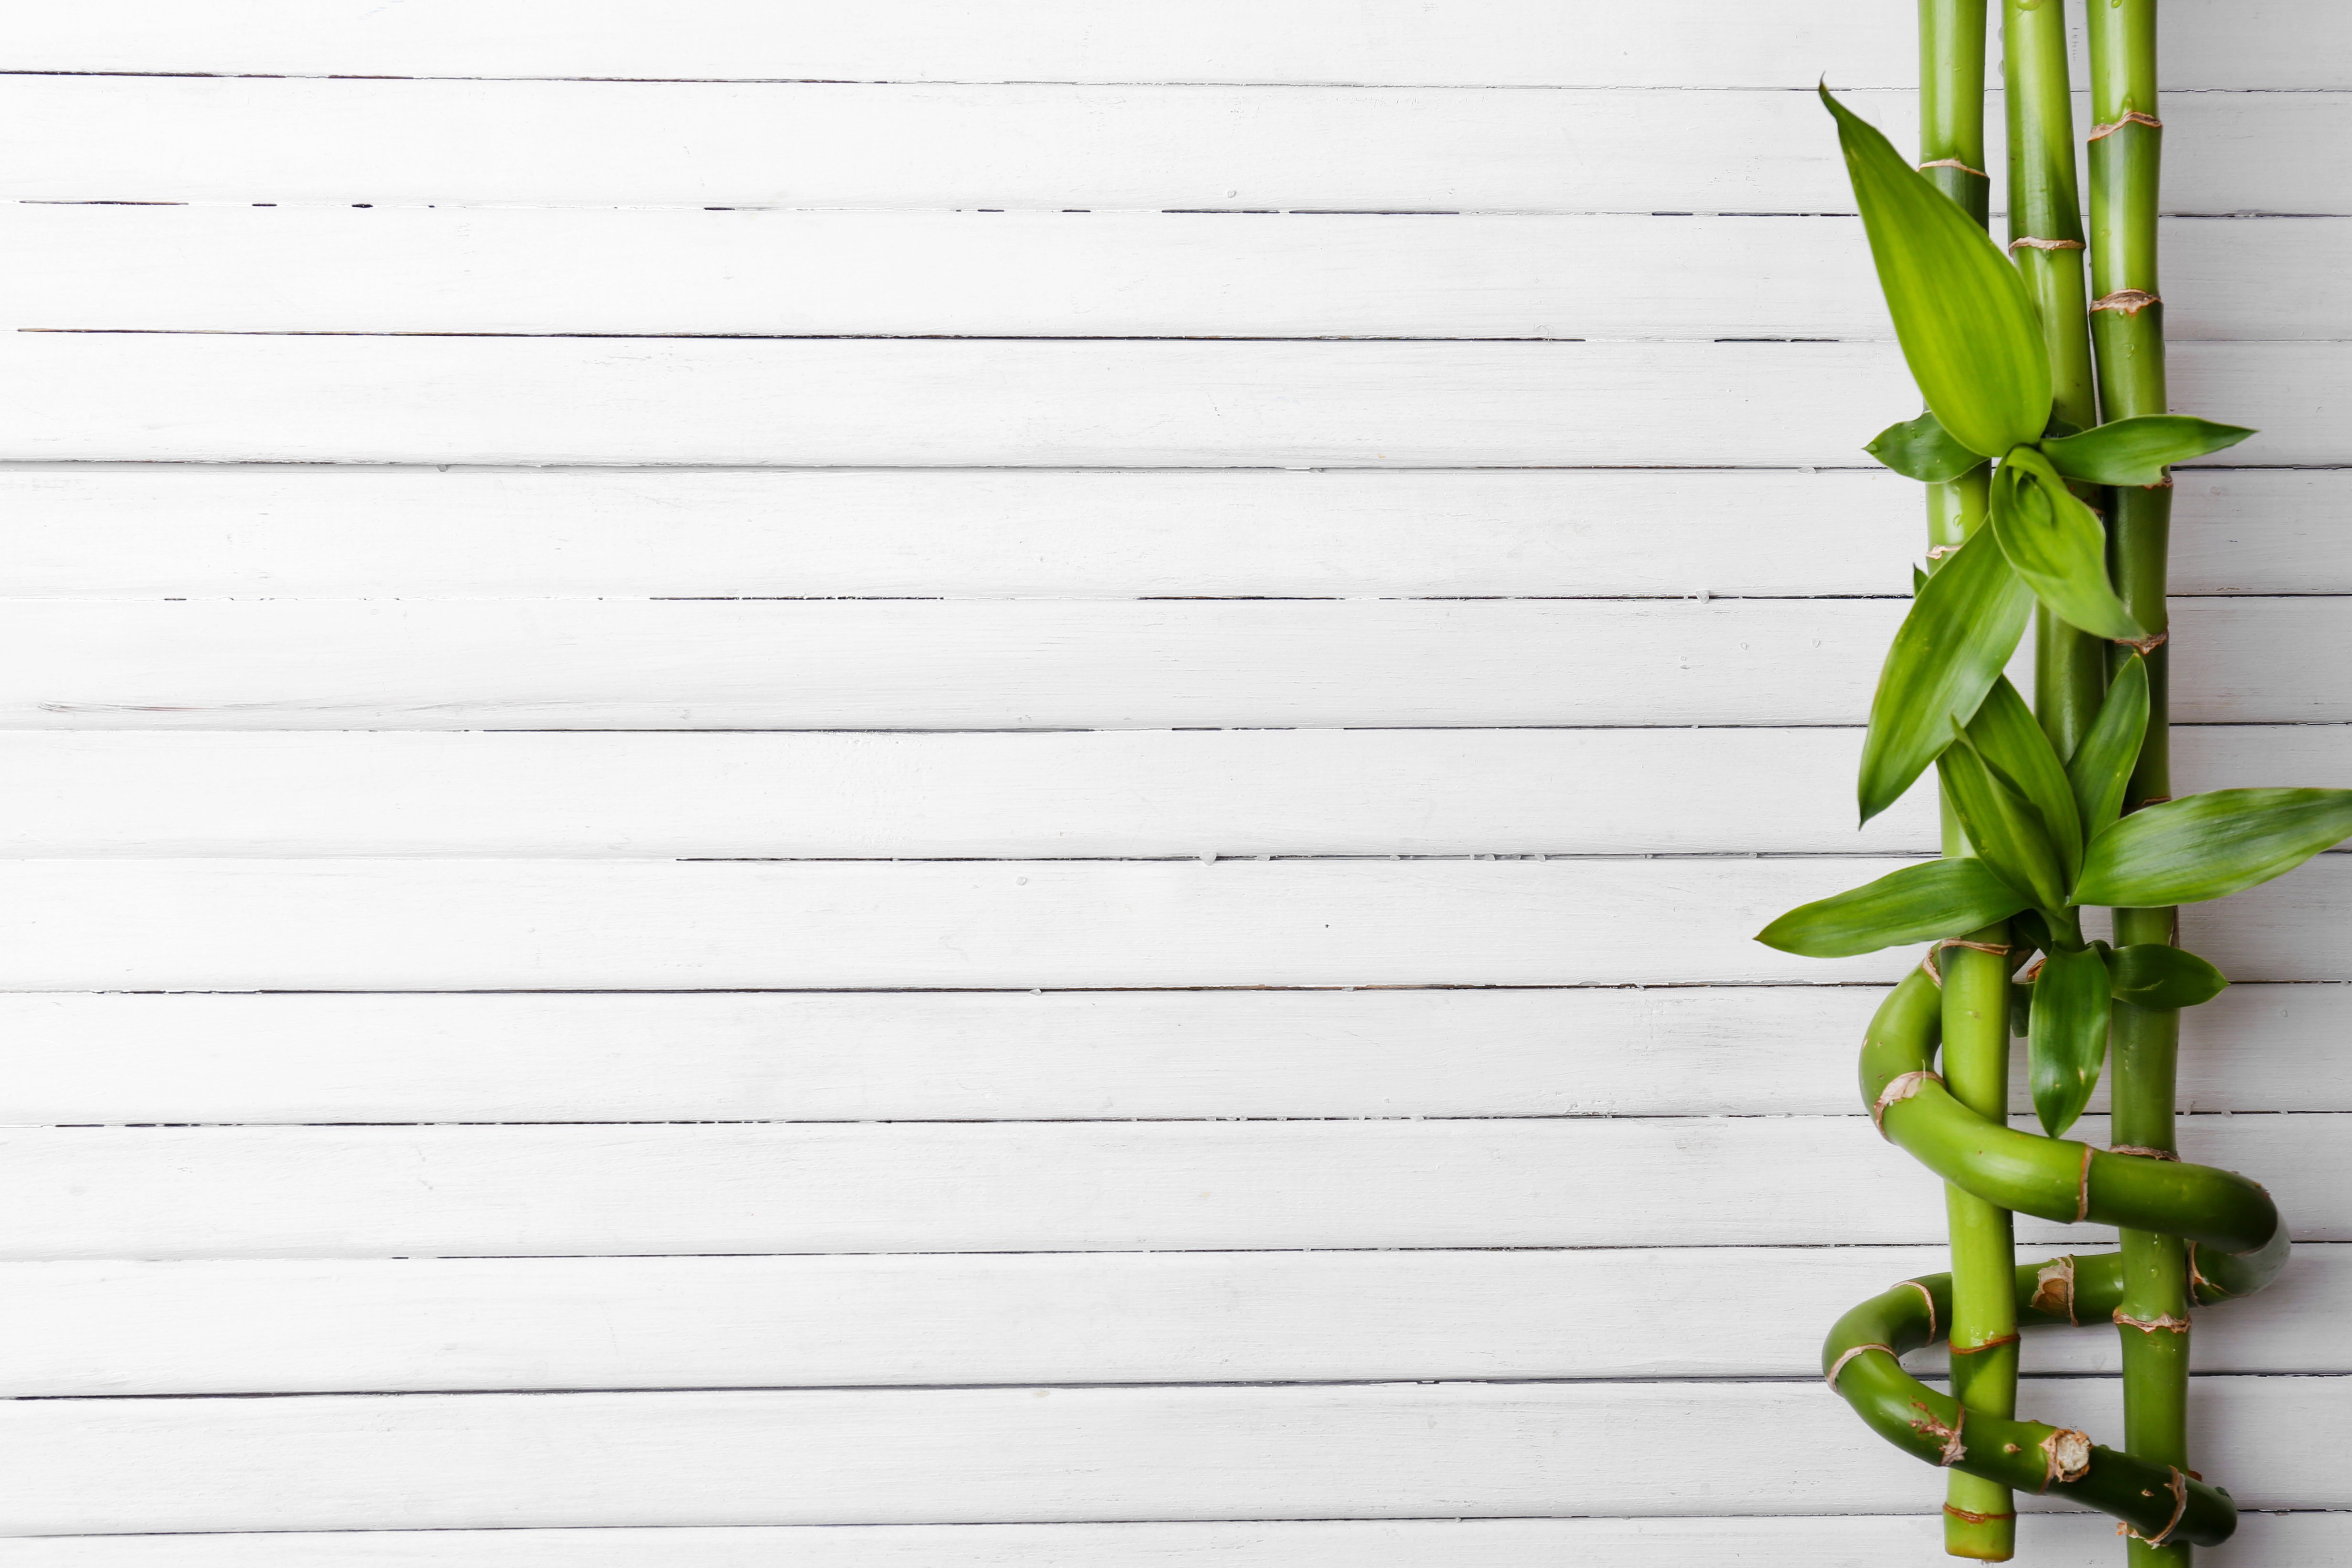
(1979,1513)
(2242,1246)
(2126,152)
(2045,240)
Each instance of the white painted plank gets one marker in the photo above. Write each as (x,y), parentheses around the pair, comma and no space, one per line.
(1024,1455)
(912,1056)
(552,1191)
(1475,42)
(201,530)
(864,403)
(2059,1540)
(637,664)
(1050,147)
(777,795)
(452,1325)
(605,926)
(632,271)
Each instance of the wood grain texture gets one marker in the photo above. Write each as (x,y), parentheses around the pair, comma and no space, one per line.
(640,271)
(201,530)
(2059,1540)
(910,1056)
(856,403)
(560,1191)
(1480,43)
(605,795)
(1050,147)
(423,1325)
(1021,1455)
(435,925)
(577,664)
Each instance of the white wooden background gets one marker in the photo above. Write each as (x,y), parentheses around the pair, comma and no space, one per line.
(930,784)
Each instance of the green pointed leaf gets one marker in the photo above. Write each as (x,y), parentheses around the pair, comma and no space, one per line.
(1961,630)
(2056,544)
(1922,449)
(2103,764)
(2137,451)
(2004,830)
(1961,312)
(2066,1042)
(2152,974)
(2011,742)
(1918,904)
(1918,582)
(2211,845)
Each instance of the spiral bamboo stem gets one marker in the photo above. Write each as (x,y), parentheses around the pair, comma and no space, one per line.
(2237,1242)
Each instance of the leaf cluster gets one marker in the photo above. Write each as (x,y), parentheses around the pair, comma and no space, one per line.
(2046,832)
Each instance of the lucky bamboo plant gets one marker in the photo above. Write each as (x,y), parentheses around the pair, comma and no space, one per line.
(2035,505)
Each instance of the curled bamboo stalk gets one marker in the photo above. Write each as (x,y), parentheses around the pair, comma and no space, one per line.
(2242,1245)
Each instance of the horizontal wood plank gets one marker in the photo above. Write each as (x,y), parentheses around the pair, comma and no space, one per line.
(1019,1454)
(1475,42)
(542,1191)
(203,530)
(607,795)
(638,271)
(585,664)
(435,925)
(1055,1056)
(1051,147)
(859,404)
(2060,1541)
(449,1325)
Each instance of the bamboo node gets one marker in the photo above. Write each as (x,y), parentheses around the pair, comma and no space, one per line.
(1963,1514)
(1993,1344)
(2131,116)
(2030,242)
(2146,644)
(2164,1322)
(1839,1365)
(1953,163)
(2126,301)
(1937,552)
(2065,1456)
(2179,1487)
(1900,1087)
(2144,1152)
(2083,1198)
(2032,971)
(1927,1296)
(1927,1425)
(1929,964)
(2197,1282)
(2053,1288)
(1999,950)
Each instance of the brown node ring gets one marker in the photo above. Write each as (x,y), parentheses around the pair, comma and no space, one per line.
(2131,116)
(1953,163)
(2126,301)
(2031,243)
(1899,1088)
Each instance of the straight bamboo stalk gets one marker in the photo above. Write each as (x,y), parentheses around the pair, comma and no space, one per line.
(2128,326)
(1979,1513)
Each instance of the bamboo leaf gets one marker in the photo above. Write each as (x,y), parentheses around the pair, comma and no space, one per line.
(2004,829)
(2011,741)
(2137,451)
(1922,449)
(1961,312)
(2056,543)
(2211,845)
(1963,626)
(2153,975)
(2103,764)
(2066,1040)
(1918,904)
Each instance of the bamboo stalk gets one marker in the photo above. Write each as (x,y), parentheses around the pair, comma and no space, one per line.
(2242,1245)
(2125,150)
